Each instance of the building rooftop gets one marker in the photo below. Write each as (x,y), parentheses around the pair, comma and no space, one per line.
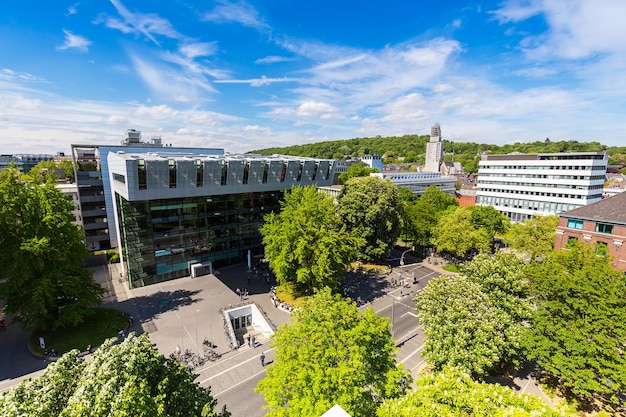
(610,210)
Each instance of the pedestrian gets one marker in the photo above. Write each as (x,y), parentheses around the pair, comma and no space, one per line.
(89,348)
(248,339)
(253,341)
(263,359)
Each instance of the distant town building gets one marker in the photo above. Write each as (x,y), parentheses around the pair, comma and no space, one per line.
(434,150)
(601,224)
(417,182)
(24,162)
(94,184)
(373,161)
(179,212)
(522,186)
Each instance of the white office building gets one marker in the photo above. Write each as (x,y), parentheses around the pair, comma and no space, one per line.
(523,186)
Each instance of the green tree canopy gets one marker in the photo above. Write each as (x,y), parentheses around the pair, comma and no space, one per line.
(465,328)
(457,234)
(305,243)
(370,209)
(43,251)
(452,392)
(356,170)
(534,237)
(489,219)
(126,379)
(332,353)
(579,329)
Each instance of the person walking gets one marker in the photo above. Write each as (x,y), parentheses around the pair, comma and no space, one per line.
(263,359)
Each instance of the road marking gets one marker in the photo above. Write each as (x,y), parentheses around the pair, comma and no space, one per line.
(418,365)
(233,367)
(412,353)
(408,312)
(239,383)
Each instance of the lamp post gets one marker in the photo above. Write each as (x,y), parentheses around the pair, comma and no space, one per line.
(403,253)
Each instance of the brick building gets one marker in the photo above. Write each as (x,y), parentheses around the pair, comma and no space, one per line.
(599,224)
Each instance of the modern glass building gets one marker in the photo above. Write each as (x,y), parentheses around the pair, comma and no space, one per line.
(178,215)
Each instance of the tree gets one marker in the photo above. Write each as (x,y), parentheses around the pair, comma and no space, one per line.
(579,331)
(332,353)
(370,209)
(43,251)
(50,166)
(126,379)
(305,243)
(456,234)
(501,278)
(356,170)
(489,219)
(534,237)
(452,392)
(462,327)
(421,217)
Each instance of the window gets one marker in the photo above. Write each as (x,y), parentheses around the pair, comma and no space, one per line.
(575,224)
(602,248)
(141,174)
(172,170)
(604,228)
(246,172)
(119,177)
(199,173)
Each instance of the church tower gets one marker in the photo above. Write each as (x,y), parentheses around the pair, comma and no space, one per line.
(434,150)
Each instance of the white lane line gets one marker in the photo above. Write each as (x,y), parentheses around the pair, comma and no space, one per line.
(412,353)
(408,312)
(418,365)
(233,367)
(239,383)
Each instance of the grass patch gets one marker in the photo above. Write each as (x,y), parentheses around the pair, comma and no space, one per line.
(285,295)
(369,268)
(102,325)
(450,268)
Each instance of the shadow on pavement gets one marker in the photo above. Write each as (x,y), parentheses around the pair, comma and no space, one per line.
(153,305)
(364,288)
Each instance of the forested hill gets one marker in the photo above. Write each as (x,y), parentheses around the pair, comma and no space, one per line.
(411,148)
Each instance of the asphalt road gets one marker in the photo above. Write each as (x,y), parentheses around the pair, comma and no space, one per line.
(241,399)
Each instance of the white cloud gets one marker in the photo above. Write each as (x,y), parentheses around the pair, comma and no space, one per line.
(272,59)
(316,109)
(239,12)
(156,112)
(73,9)
(116,120)
(256,82)
(76,42)
(577,29)
(139,23)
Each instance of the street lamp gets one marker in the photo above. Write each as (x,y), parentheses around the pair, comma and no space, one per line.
(403,253)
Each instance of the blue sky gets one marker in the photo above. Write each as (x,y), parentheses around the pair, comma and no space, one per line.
(248,75)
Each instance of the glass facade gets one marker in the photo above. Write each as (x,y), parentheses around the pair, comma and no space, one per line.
(161,239)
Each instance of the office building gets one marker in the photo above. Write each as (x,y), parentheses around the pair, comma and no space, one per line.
(94,188)
(522,186)
(181,215)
